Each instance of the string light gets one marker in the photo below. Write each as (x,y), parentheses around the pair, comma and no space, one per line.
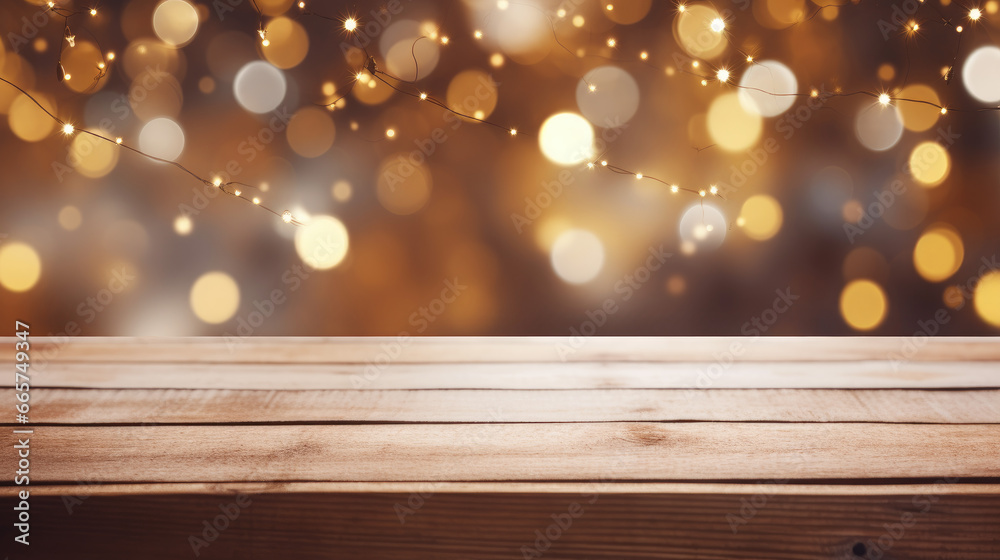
(975,14)
(93,12)
(612,42)
(350,24)
(718,25)
(723,75)
(67,129)
(477,34)
(884,99)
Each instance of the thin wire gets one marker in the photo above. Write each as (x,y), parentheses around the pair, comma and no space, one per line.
(224,187)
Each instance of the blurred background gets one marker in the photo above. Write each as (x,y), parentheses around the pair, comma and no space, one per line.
(835,213)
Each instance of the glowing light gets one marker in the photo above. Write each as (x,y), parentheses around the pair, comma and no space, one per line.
(237,192)
(67,76)
(863,305)
(975,14)
(183,225)
(958,29)
(111,56)
(67,129)
(702,192)
(609,7)
(884,99)
(256,200)
(101,65)
(265,43)
(644,55)
(215,297)
(987,298)
(567,139)
(561,13)
(478,34)
(322,243)
(674,188)
(760,217)
(704,82)
(913,27)
(750,59)
(93,12)
(302,5)
(944,110)
(444,40)
(20,266)
(217,182)
(604,163)
(577,256)
(638,175)
(592,88)
(717,25)
(694,64)
(176,22)
(938,253)
(350,24)
(118,140)
(681,8)
(714,190)
(612,42)
(723,75)
(513,132)
(814,93)
(389,133)
(286,216)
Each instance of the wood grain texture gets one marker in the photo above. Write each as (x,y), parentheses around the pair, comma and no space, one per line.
(282,350)
(595,375)
(186,406)
(498,452)
(790,448)
(497,526)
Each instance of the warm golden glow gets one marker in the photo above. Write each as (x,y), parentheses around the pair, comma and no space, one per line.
(986,298)
(863,305)
(938,254)
(20,266)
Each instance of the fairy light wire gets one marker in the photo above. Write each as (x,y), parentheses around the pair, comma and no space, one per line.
(69,129)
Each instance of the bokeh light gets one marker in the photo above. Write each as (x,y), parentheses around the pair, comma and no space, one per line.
(310,132)
(322,243)
(919,117)
(404,183)
(93,157)
(567,139)
(693,32)
(763,80)
(70,218)
(981,74)
(288,43)
(929,163)
(28,121)
(175,22)
(577,256)
(162,138)
(607,96)
(20,266)
(761,216)
(863,305)
(702,227)
(938,253)
(731,126)
(215,297)
(259,87)
(986,298)
(878,127)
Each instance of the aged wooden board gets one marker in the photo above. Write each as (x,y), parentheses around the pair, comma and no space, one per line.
(272,350)
(790,448)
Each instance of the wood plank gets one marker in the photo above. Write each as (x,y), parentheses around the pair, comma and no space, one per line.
(287,350)
(790,488)
(469,452)
(493,527)
(607,375)
(177,406)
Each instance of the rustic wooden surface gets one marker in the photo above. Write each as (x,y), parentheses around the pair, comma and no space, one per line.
(770,448)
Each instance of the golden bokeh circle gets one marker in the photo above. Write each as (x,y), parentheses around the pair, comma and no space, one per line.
(731,126)
(693,32)
(472,92)
(70,218)
(93,157)
(986,298)
(20,266)
(919,117)
(929,164)
(762,217)
(626,12)
(29,122)
(288,43)
(311,132)
(863,305)
(404,183)
(80,62)
(938,253)
(215,297)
